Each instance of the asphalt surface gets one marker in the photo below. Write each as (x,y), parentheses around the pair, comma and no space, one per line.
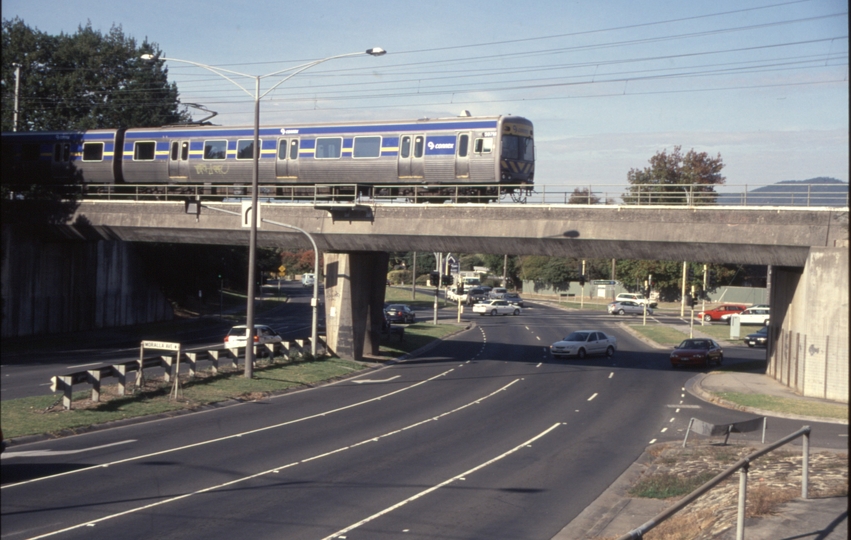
(482,436)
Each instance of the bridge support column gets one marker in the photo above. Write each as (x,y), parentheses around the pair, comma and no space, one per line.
(354,302)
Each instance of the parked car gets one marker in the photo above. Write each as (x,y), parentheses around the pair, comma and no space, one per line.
(497,293)
(513,298)
(635,297)
(721,313)
(262,334)
(754,315)
(496,307)
(453,296)
(584,342)
(307,280)
(697,352)
(399,313)
(628,306)
(758,338)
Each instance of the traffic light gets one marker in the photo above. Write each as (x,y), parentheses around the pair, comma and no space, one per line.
(434,277)
(712,276)
(581,281)
(460,287)
(690,273)
(447,280)
(689,300)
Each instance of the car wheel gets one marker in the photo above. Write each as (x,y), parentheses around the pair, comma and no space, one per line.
(516,312)
(620,312)
(720,359)
(610,352)
(707,318)
(580,354)
(750,344)
(493,312)
(766,322)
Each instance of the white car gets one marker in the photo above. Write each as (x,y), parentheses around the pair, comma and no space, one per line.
(753,315)
(637,298)
(497,293)
(236,338)
(585,342)
(497,307)
(307,280)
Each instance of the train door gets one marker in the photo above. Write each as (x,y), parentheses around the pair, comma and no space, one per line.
(178,163)
(411,152)
(286,163)
(462,160)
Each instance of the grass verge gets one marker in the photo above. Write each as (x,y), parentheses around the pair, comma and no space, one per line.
(416,336)
(663,335)
(786,405)
(44,414)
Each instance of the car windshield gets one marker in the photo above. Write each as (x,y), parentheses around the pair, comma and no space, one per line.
(577,336)
(694,344)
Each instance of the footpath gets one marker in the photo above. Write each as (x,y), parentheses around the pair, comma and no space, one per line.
(614,513)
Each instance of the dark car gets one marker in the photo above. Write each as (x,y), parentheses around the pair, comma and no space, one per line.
(513,298)
(697,352)
(399,313)
(758,338)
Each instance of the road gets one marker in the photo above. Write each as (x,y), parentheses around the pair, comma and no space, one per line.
(27,371)
(485,437)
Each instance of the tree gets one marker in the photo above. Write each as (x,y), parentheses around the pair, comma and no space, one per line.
(675,179)
(87,80)
(583,196)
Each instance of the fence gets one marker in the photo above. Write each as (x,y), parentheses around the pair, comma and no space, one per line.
(218,358)
(687,195)
(742,466)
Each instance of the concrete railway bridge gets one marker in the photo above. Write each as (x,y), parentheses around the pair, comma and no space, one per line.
(807,248)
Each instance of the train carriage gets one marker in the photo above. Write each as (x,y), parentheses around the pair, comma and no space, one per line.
(62,156)
(478,152)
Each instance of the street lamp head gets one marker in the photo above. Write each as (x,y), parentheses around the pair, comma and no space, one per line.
(376,51)
(147,56)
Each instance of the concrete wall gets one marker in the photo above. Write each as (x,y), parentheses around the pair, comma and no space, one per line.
(809,325)
(66,286)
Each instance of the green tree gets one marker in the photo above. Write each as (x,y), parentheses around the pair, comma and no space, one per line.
(86,80)
(674,178)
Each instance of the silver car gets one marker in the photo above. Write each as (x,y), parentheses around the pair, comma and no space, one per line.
(584,342)
(628,306)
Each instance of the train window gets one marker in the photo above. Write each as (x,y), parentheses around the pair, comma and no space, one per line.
(245,149)
(294,149)
(405,147)
(184,151)
(93,151)
(57,152)
(30,152)
(144,151)
(282,149)
(215,149)
(419,146)
(175,150)
(367,147)
(66,152)
(463,144)
(329,148)
(484,146)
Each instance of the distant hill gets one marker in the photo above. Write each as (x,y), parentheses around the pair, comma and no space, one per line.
(821,191)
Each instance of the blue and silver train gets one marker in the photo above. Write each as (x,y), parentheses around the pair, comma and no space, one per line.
(464,150)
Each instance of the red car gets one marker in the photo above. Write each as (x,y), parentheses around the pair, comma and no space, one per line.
(697,352)
(721,313)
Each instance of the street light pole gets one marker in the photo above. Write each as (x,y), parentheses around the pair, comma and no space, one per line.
(252,239)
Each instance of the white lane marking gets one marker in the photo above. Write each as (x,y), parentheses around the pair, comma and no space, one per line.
(672,419)
(539,365)
(652,441)
(365,381)
(612,374)
(237,435)
(41,453)
(681,406)
(538,338)
(592,397)
(664,429)
(287,466)
(338,534)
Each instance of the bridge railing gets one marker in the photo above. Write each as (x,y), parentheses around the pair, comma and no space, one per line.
(682,195)
(218,358)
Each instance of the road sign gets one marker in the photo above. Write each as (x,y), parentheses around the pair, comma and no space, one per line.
(163,345)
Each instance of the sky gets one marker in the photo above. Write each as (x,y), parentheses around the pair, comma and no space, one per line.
(607,83)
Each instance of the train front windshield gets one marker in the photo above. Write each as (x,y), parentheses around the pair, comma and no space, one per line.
(519,148)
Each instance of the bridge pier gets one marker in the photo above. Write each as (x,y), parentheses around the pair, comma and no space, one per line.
(354,302)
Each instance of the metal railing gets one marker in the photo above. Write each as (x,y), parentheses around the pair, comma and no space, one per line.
(681,195)
(742,466)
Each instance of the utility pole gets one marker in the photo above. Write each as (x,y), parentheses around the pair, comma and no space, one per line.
(683,301)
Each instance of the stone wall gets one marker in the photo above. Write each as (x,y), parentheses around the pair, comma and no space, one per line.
(53,285)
